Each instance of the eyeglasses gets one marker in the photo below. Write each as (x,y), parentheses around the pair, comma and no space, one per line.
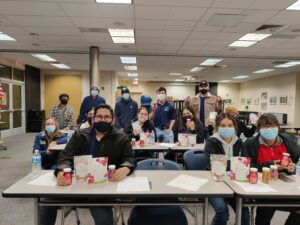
(106,118)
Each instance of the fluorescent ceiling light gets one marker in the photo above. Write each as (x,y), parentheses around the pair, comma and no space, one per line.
(254,37)
(294,63)
(60,66)
(5,37)
(44,57)
(179,80)
(128,59)
(224,81)
(123,40)
(263,71)
(294,6)
(243,44)
(240,77)
(121,32)
(210,62)
(175,74)
(196,69)
(115,1)
(132,74)
(130,67)
(288,64)
(283,66)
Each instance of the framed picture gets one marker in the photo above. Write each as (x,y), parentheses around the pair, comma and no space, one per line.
(243,101)
(283,100)
(256,101)
(264,96)
(263,105)
(273,100)
(248,101)
(227,101)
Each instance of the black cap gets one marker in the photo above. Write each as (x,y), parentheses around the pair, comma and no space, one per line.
(203,83)
(94,88)
(124,90)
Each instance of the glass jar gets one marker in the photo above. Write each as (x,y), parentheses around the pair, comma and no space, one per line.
(68,175)
(253,176)
(285,159)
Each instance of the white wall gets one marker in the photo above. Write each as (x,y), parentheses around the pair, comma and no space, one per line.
(229,91)
(297,101)
(109,82)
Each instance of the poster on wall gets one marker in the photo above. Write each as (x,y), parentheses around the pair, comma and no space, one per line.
(248,101)
(283,100)
(273,100)
(263,106)
(256,101)
(264,96)
(243,101)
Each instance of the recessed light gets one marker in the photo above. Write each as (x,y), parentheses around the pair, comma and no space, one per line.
(132,74)
(5,37)
(179,80)
(288,64)
(44,57)
(34,34)
(196,69)
(224,81)
(254,37)
(264,71)
(121,32)
(175,74)
(240,77)
(128,59)
(210,62)
(130,67)
(294,6)
(123,40)
(115,1)
(60,66)
(243,44)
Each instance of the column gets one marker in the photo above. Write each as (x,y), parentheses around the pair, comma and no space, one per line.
(94,67)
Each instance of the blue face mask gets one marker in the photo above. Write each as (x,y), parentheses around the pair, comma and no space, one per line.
(50,128)
(94,93)
(226,132)
(269,133)
(125,96)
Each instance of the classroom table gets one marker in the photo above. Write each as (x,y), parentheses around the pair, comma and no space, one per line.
(106,194)
(296,128)
(287,195)
(58,147)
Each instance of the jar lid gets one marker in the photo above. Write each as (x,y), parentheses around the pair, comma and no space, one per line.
(252,169)
(67,170)
(112,167)
(133,139)
(273,167)
(266,169)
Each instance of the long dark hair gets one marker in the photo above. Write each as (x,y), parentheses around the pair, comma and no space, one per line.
(182,124)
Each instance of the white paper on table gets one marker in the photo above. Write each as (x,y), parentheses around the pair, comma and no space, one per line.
(167,145)
(187,182)
(259,187)
(47,179)
(134,184)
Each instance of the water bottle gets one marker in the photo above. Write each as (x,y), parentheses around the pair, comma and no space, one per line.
(36,163)
(298,171)
(152,138)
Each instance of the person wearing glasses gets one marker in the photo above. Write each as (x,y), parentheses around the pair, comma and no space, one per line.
(100,140)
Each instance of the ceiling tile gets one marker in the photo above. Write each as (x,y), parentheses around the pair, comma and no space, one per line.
(243,28)
(180,25)
(152,12)
(4,21)
(41,21)
(258,16)
(148,33)
(271,4)
(150,24)
(186,13)
(53,30)
(210,12)
(285,17)
(239,4)
(11,30)
(102,22)
(175,34)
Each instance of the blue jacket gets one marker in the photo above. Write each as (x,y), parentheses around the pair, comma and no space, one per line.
(125,112)
(41,144)
(87,104)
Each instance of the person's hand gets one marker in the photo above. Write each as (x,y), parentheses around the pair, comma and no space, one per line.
(120,174)
(280,167)
(66,128)
(60,179)
(52,144)
(135,132)
(291,166)
(209,121)
(192,126)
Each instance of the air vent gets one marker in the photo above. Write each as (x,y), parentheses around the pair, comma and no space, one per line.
(284,36)
(93,30)
(269,28)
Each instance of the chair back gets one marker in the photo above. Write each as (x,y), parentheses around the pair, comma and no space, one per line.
(157,164)
(195,160)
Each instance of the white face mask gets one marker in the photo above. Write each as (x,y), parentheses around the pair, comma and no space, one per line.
(161,97)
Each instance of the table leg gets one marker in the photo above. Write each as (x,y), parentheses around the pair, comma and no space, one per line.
(36,211)
(238,211)
(205,212)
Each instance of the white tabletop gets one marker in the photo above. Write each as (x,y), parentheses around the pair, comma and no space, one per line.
(199,147)
(59,147)
(151,147)
(157,147)
(108,189)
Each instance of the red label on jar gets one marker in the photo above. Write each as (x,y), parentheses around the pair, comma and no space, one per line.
(284,161)
(253,178)
(68,177)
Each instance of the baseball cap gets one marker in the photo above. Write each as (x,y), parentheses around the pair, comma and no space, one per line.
(204,83)
(124,90)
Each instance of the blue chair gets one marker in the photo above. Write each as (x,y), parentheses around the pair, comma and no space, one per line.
(195,160)
(153,215)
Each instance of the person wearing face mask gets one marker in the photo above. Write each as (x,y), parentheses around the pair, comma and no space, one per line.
(207,103)
(242,128)
(125,111)
(89,102)
(266,149)
(89,120)
(100,140)
(225,142)
(45,140)
(164,117)
(63,113)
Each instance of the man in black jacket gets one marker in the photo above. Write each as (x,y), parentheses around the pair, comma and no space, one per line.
(100,140)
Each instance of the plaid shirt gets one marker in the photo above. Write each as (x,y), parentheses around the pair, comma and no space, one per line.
(63,115)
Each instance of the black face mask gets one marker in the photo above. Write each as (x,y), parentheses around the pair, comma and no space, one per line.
(103,126)
(203,91)
(185,118)
(64,101)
